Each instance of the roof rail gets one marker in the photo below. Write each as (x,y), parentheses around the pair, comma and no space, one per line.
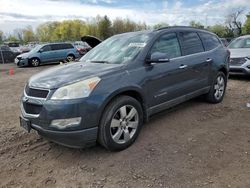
(169,27)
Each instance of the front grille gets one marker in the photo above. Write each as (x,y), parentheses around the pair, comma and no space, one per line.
(32,108)
(36,92)
(237,61)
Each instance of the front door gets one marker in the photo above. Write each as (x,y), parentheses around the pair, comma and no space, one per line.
(170,80)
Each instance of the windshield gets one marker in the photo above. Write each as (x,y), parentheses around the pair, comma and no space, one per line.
(240,43)
(117,49)
(36,49)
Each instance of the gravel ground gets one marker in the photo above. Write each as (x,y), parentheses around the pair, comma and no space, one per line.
(195,144)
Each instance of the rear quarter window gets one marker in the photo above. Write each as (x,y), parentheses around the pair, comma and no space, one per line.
(67,46)
(210,42)
(190,43)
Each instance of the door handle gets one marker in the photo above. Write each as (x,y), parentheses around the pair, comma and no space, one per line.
(209,60)
(183,66)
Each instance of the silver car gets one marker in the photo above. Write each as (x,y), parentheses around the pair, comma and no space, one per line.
(240,55)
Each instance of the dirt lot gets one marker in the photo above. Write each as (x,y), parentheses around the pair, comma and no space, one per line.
(193,145)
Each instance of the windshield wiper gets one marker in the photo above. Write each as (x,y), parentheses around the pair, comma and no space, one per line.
(105,62)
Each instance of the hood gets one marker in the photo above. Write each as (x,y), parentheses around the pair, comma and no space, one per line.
(69,73)
(91,40)
(24,55)
(240,52)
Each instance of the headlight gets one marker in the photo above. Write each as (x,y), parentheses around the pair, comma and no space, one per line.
(77,90)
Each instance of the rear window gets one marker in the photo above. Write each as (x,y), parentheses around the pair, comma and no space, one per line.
(209,41)
(61,46)
(190,43)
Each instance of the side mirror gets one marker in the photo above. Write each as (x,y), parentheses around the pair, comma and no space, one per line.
(40,51)
(158,57)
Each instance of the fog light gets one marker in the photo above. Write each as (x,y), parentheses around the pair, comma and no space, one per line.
(63,123)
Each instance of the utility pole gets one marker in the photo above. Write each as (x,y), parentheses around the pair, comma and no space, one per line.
(206,21)
(2,54)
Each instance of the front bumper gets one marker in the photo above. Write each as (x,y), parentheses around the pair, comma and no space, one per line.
(73,139)
(21,62)
(240,70)
(80,135)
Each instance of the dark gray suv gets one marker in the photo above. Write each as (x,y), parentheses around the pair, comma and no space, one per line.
(121,82)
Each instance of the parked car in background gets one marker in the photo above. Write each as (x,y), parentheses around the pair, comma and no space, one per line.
(82,47)
(240,55)
(121,82)
(24,49)
(14,46)
(6,54)
(48,53)
(91,40)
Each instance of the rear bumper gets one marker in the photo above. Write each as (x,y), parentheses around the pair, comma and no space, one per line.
(74,139)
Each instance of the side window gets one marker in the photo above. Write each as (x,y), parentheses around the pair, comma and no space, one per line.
(56,46)
(210,41)
(190,43)
(46,48)
(68,46)
(167,44)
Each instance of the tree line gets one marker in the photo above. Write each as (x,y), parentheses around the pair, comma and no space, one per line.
(103,27)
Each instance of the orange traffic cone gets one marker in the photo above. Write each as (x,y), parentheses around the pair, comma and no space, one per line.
(11,72)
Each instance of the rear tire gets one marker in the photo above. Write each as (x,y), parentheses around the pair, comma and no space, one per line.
(70,58)
(120,124)
(218,88)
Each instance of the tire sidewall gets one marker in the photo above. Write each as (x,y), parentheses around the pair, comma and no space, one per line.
(112,145)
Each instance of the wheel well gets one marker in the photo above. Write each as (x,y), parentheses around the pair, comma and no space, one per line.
(224,70)
(71,55)
(136,95)
(34,58)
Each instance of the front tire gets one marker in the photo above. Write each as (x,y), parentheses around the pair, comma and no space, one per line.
(218,88)
(34,62)
(121,123)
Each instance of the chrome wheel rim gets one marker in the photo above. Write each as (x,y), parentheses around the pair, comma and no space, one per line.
(219,87)
(124,124)
(35,62)
(70,58)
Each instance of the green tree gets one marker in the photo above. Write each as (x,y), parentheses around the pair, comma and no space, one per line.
(19,34)
(28,34)
(160,25)
(104,27)
(196,25)
(43,32)
(12,38)
(1,37)
(219,30)
(246,26)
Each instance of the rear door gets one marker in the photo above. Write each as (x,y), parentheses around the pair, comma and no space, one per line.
(58,52)
(196,60)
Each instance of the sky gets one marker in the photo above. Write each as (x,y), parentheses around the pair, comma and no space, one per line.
(20,13)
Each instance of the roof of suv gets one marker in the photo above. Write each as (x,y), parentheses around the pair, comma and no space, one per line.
(182,28)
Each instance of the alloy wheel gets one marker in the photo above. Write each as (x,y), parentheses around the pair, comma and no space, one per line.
(219,87)
(70,58)
(124,124)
